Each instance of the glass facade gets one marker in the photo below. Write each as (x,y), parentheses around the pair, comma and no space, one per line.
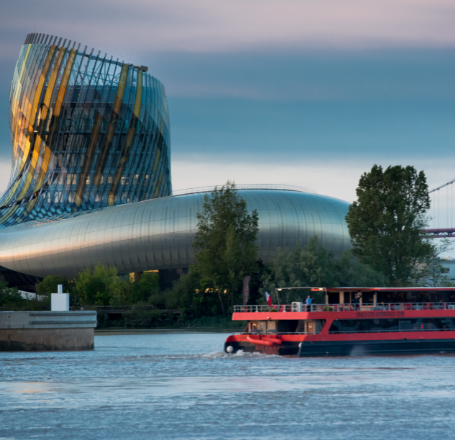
(391,325)
(87,132)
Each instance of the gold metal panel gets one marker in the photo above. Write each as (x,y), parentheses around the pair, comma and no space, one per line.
(88,158)
(112,125)
(33,113)
(44,111)
(19,86)
(128,141)
(23,106)
(137,104)
(158,186)
(157,159)
(15,106)
(36,99)
(55,119)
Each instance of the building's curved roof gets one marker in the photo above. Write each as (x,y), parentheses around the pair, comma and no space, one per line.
(157,234)
(247,186)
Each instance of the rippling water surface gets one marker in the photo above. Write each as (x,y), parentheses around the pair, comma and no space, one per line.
(166,386)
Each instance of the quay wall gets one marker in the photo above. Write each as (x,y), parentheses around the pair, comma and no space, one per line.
(47,331)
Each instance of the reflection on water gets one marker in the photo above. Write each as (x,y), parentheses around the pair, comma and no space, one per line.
(165,386)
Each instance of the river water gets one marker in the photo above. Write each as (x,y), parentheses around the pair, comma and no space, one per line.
(182,386)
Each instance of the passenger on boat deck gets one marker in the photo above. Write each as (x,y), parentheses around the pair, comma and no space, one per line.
(356,300)
(308,302)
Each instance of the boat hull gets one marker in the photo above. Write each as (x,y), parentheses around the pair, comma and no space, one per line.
(377,347)
(349,348)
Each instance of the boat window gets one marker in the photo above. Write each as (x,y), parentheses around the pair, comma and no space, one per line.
(253,327)
(391,325)
(287,326)
(310,326)
(271,327)
(415,296)
(367,297)
(263,327)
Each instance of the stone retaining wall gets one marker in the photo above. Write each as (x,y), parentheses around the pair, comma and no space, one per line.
(43,331)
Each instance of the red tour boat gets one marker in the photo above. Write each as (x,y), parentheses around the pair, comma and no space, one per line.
(352,322)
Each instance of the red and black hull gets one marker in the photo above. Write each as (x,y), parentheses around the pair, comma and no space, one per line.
(420,333)
(377,347)
(350,348)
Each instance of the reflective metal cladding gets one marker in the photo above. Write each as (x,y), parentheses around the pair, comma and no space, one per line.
(87,132)
(91,178)
(157,234)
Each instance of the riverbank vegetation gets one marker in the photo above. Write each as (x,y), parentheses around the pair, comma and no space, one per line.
(389,213)
(11,299)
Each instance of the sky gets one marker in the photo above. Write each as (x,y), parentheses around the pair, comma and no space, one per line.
(302,92)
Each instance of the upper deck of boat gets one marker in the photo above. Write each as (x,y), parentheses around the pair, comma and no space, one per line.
(288,312)
(361,302)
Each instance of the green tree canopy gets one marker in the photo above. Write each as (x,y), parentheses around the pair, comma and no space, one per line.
(101,287)
(147,286)
(50,285)
(224,242)
(9,296)
(314,266)
(385,222)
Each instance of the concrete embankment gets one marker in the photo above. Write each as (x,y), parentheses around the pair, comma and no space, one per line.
(45,331)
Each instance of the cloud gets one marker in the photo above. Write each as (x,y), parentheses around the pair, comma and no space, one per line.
(336,178)
(310,76)
(128,28)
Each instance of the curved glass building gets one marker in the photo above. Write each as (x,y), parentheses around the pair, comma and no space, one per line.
(91,177)
(87,132)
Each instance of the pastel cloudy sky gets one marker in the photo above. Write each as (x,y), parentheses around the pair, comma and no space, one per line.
(303,92)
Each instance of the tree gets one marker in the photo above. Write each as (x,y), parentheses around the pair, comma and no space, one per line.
(224,242)
(50,285)
(9,296)
(145,287)
(191,295)
(314,266)
(385,222)
(95,288)
(430,271)
(120,292)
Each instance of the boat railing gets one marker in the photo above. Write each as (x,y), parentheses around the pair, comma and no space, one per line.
(341,332)
(348,307)
(274,333)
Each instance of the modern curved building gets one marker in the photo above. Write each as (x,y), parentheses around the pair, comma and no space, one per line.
(91,178)
(87,132)
(157,233)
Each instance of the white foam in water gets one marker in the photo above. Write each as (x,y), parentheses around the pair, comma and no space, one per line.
(214,355)
(239,353)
